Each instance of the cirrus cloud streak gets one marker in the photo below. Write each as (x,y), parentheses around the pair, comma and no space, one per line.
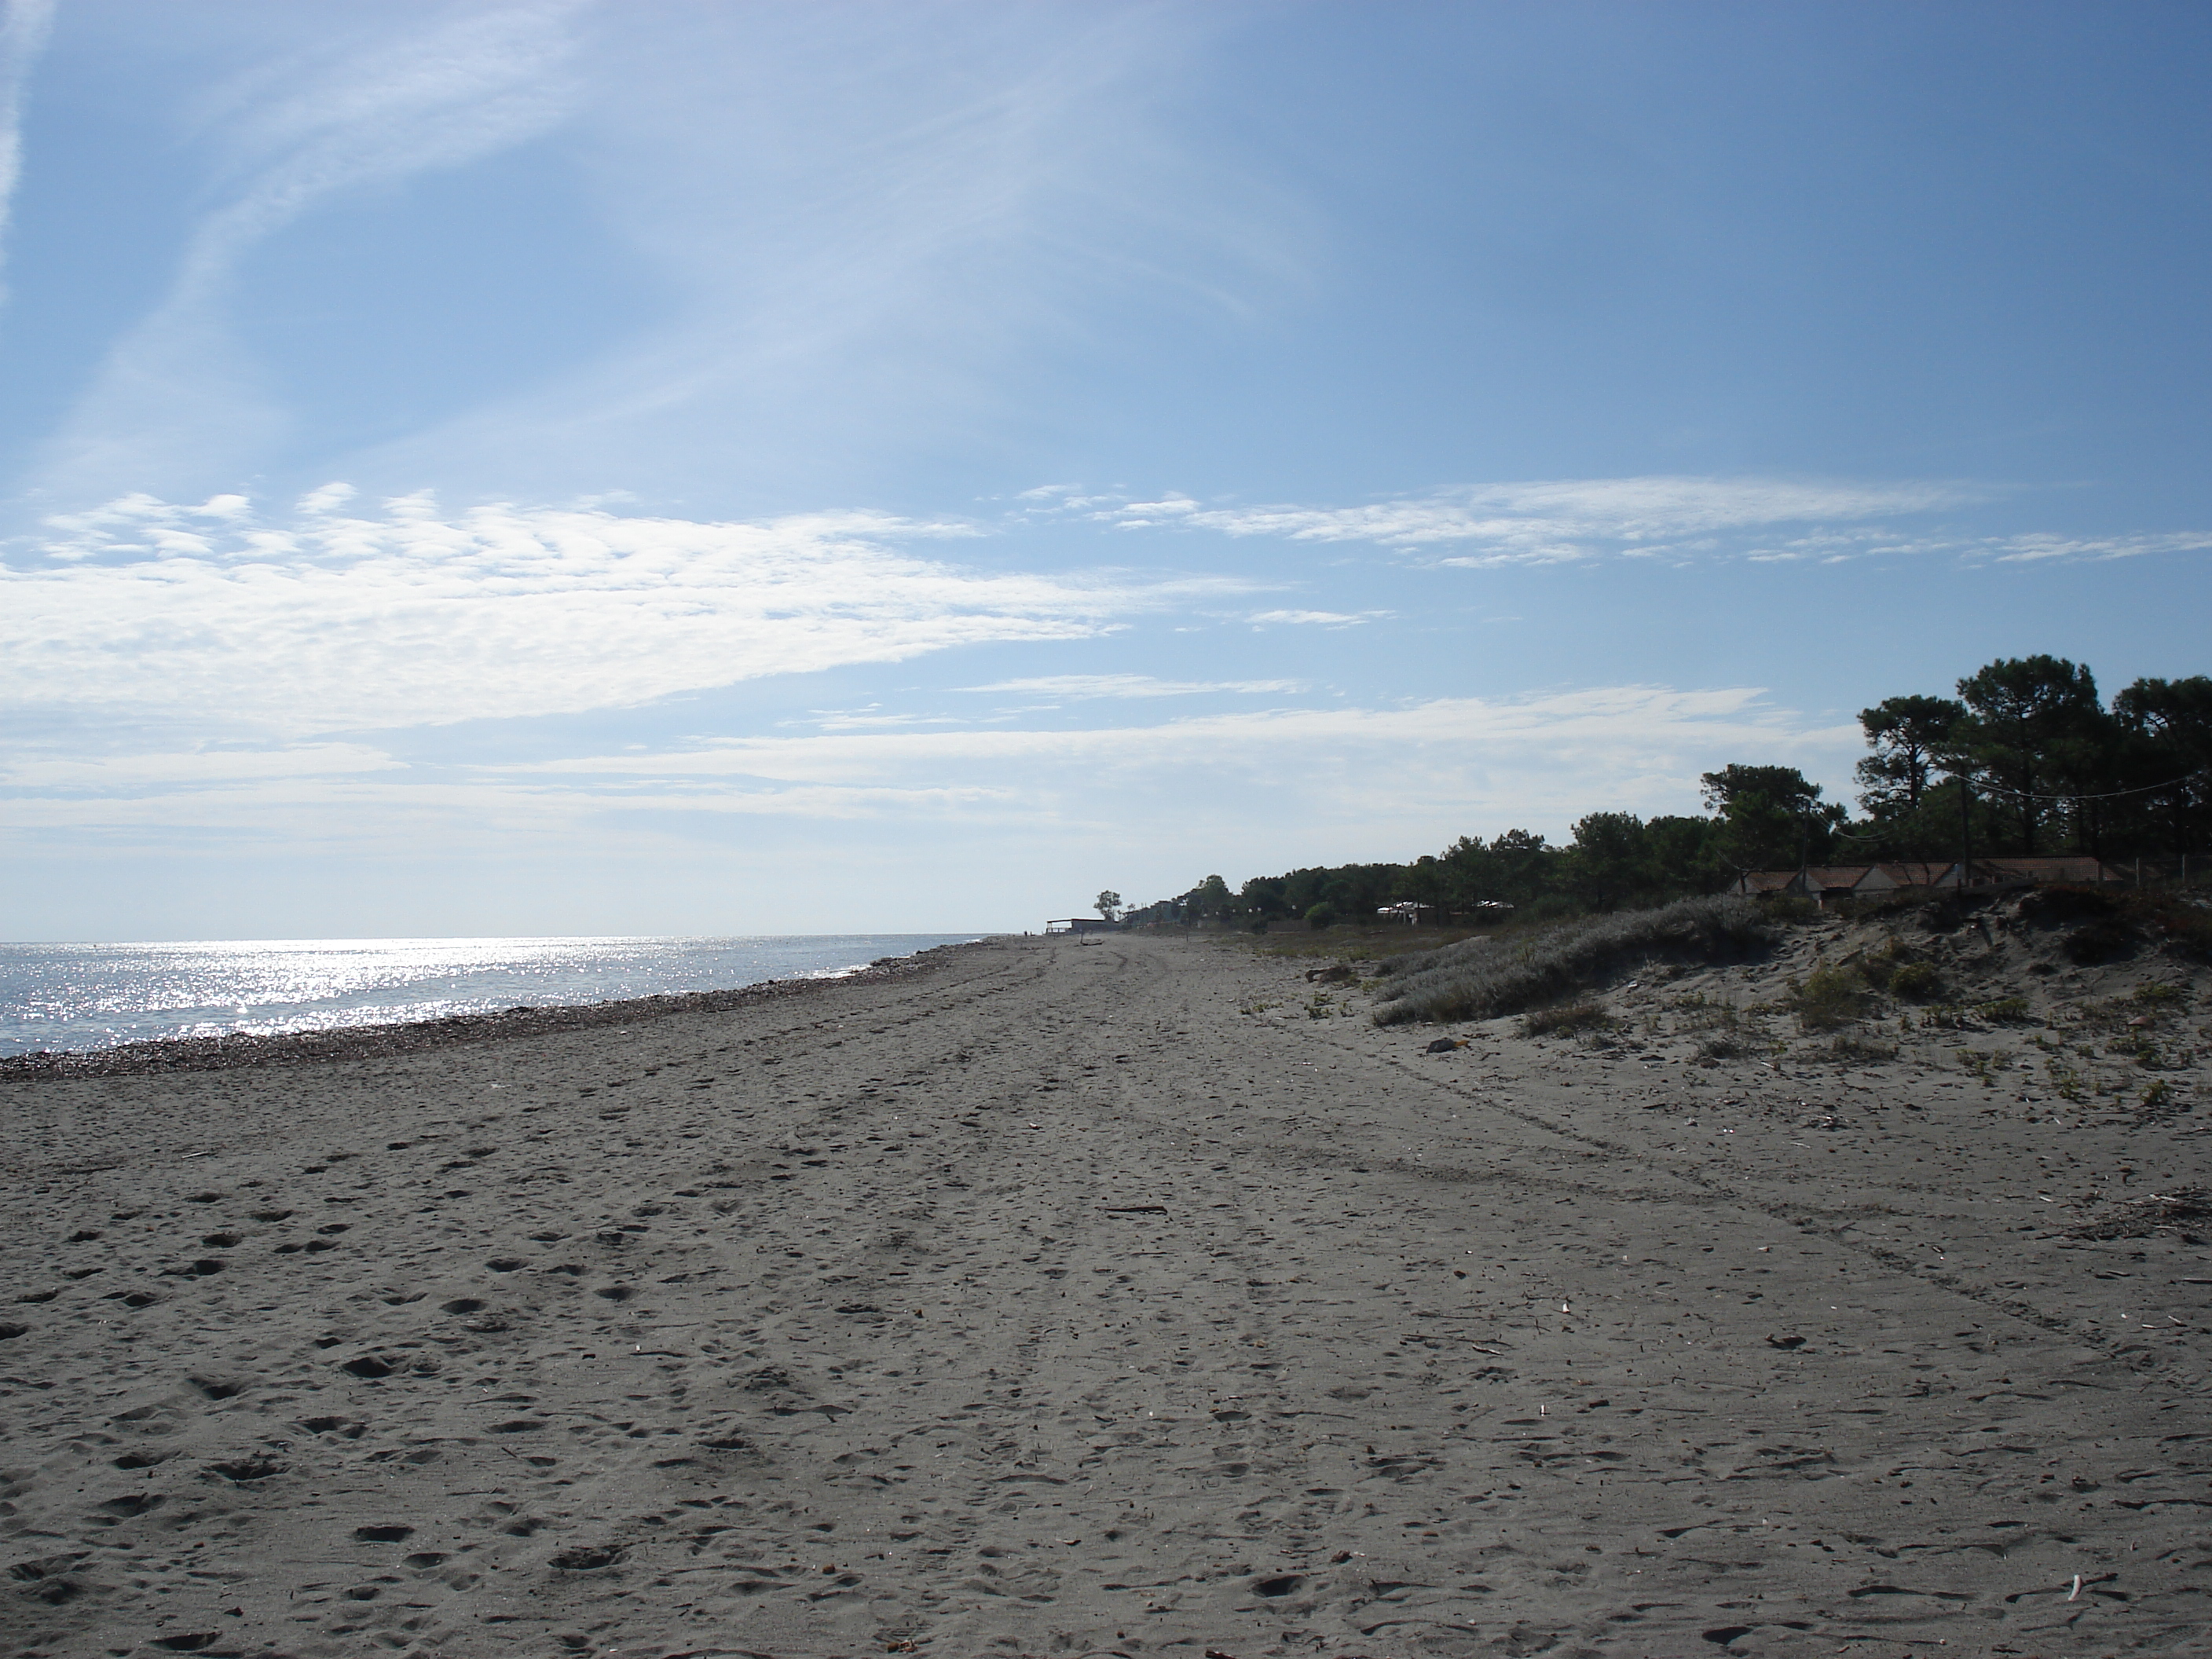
(1667,517)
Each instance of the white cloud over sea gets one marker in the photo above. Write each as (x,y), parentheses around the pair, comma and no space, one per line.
(324,621)
(230,657)
(227,619)
(1426,769)
(1482,755)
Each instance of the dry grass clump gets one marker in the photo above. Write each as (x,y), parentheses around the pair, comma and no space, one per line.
(1483,978)
(1567,1020)
(1852,1049)
(1699,1012)
(1830,997)
(2147,1008)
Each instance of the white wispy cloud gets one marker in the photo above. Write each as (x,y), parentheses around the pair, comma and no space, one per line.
(1468,735)
(1089,686)
(1555,520)
(2023,550)
(1435,767)
(1313,618)
(194,769)
(24,25)
(416,101)
(863,235)
(1832,544)
(173,395)
(1567,521)
(1538,762)
(325,621)
(873,718)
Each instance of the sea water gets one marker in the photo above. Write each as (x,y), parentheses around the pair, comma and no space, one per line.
(94,996)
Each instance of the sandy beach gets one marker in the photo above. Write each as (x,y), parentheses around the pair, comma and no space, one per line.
(1125,1297)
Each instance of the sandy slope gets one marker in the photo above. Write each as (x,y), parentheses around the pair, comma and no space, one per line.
(1050,1301)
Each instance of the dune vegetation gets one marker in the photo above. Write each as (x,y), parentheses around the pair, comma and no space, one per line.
(1483,977)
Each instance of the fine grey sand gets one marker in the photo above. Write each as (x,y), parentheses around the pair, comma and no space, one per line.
(1125,1298)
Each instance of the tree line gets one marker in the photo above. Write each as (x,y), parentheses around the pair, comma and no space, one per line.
(2026,759)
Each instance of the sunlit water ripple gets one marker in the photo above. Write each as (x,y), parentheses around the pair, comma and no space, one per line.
(94,996)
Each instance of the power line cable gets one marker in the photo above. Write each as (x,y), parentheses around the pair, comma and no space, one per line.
(2114,794)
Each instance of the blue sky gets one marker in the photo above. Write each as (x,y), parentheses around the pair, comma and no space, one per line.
(718,468)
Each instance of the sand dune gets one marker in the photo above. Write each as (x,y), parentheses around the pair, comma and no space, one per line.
(1087,1299)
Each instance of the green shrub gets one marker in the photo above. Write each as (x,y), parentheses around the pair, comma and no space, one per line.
(1322,915)
(2005,1011)
(1830,997)
(1915,982)
(1880,965)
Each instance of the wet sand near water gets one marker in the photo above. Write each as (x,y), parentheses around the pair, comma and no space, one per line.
(1049,1299)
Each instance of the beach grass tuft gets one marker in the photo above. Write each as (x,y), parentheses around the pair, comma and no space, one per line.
(1567,1019)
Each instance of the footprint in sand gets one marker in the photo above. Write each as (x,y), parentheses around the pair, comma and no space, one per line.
(243,1471)
(585,1558)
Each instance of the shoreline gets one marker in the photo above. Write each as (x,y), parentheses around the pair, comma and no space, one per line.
(387,1039)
